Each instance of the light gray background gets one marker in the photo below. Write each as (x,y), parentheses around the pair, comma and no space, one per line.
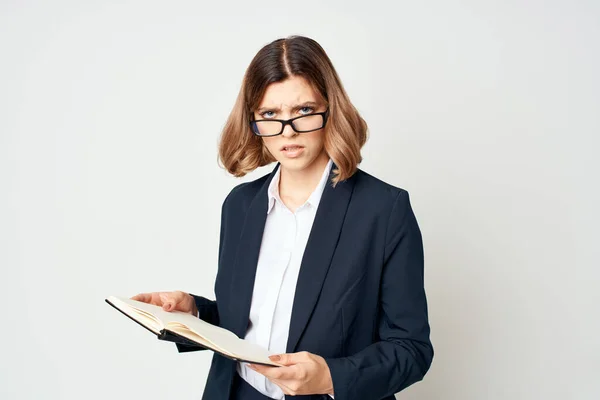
(486,112)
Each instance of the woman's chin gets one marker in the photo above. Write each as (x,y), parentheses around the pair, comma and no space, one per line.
(295,164)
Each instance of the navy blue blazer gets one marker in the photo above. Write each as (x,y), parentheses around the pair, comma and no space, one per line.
(360,300)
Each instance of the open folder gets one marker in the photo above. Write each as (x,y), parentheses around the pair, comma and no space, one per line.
(184,328)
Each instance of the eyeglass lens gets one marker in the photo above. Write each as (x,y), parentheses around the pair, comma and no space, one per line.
(306,123)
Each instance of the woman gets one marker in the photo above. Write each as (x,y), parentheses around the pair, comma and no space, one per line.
(319,261)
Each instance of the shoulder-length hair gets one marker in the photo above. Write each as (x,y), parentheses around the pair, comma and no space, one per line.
(241,151)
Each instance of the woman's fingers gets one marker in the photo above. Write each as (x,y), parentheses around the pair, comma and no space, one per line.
(169,301)
(144,297)
(174,301)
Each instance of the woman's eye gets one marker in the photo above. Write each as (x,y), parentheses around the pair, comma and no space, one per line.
(267,114)
(310,110)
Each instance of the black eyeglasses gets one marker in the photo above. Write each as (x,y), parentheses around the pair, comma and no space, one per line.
(301,124)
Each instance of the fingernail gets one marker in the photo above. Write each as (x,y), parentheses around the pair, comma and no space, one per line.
(275,357)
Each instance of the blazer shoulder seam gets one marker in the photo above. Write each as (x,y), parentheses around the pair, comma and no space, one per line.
(400,193)
(240,188)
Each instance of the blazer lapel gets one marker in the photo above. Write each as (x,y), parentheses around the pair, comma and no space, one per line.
(317,256)
(246,259)
(318,253)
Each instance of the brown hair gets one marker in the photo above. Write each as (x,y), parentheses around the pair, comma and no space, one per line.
(240,151)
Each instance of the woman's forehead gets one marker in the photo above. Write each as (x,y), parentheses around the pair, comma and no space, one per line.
(289,93)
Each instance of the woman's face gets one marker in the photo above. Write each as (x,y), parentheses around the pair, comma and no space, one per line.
(288,99)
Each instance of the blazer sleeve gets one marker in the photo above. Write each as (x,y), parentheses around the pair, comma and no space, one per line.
(207,309)
(404,352)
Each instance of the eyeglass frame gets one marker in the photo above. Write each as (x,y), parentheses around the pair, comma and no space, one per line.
(324,115)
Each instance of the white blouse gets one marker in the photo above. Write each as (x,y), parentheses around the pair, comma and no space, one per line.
(283,243)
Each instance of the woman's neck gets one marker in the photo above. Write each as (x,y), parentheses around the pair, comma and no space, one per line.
(295,187)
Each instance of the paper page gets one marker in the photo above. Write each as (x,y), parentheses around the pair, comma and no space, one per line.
(144,317)
(156,311)
(232,345)
(205,333)
(201,327)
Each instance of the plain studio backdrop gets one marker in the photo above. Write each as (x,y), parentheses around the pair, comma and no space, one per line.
(486,112)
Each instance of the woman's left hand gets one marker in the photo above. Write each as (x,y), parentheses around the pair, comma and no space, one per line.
(301,373)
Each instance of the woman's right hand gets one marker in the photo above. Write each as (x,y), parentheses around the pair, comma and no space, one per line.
(170,301)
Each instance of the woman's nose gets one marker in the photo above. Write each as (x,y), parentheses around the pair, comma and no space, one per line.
(288,131)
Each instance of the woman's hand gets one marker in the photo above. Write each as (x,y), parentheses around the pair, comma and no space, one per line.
(302,373)
(170,301)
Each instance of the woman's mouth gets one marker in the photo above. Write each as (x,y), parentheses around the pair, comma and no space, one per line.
(292,151)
